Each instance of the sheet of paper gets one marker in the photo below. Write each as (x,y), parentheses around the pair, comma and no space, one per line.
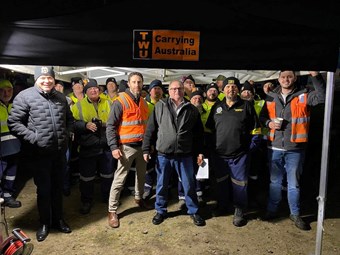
(203,170)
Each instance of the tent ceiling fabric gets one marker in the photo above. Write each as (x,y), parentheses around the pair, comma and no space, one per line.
(149,74)
(244,35)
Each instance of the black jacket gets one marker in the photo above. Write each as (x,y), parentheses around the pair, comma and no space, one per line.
(174,134)
(43,121)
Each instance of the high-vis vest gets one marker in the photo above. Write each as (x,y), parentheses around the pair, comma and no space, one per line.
(258,105)
(9,143)
(300,119)
(134,119)
(85,110)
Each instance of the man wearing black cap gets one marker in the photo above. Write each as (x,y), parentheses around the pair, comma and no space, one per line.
(42,119)
(91,114)
(189,85)
(77,93)
(111,89)
(232,122)
(155,94)
(9,148)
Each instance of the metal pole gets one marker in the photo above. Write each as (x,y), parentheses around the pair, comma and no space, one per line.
(324,160)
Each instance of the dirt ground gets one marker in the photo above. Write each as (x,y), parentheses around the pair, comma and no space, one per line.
(177,234)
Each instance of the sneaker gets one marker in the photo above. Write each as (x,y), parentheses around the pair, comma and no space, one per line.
(181,205)
(11,202)
(239,220)
(299,222)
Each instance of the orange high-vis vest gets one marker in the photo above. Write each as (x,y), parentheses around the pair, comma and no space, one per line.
(134,119)
(300,119)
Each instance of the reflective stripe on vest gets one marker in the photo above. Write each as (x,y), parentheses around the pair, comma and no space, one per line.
(300,119)
(134,119)
(7,138)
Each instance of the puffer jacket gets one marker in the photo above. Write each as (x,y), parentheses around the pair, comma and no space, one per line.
(41,120)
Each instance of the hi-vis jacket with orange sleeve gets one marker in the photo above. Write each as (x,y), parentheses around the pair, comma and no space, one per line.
(295,110)
(127,121)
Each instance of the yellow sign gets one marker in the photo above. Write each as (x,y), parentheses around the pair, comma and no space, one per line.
(166,45)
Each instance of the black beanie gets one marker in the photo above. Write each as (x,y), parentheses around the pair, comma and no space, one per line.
(195,93)
(90,83)
(247,86)
(110,79)
(43,70)
(232,80)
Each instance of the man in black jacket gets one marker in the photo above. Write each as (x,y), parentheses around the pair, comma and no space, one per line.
(42,120)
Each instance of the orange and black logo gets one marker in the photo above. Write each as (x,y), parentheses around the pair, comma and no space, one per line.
(166,45)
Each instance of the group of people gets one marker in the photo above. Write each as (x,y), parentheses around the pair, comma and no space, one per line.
(158,134)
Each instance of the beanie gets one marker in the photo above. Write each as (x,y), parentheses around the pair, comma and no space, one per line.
(75,80)
(211,86)
(5,84)
(232,80)
(110,79)
(60,82)
(195,93)
(247,86)
(155,83)
(43,70)
(91,83)
(184,78)
(220,78)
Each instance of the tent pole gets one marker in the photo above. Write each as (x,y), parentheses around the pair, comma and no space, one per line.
(324,160)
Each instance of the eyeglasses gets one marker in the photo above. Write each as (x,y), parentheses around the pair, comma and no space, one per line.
(174,89)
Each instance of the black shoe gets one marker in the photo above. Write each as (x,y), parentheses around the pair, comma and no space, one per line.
(299,222)
(11,202)
(198,220)
(86,208)
(62,226)
(239,220)
(158,219)
(42,232)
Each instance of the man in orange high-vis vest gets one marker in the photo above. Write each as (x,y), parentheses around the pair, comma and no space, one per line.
(287,140)
(125,132)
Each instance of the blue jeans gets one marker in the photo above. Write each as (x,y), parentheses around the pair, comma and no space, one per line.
(281,163)
(185,170)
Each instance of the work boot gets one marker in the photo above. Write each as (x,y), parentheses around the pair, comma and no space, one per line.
(239,220)
(11,202)
(299,222)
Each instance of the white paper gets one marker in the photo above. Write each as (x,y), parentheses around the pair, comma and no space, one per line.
(203,170)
